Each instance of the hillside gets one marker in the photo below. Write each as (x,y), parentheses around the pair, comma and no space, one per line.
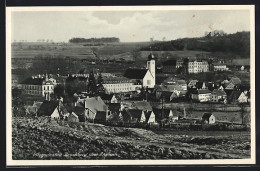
(237,44)
(40,139)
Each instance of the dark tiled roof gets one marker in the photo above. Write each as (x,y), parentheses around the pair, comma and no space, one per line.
(47,108)
(114,107)
(171,62)
(158,113)
(147,115)
(33,81)
(202,92)
(236,80)
(78,110)
(142,105)
(206,116)
(135,113)
(234,95)
(135,73)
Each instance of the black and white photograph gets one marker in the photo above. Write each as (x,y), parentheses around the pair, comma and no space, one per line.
(146,85)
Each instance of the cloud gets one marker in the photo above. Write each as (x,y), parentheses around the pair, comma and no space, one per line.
(127,25)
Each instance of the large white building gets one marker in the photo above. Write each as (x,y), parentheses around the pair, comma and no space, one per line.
(120,85)
(198,66)
(39,86)
(220,67)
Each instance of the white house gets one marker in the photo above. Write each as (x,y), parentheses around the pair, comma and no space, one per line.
(208,118)
(201,95)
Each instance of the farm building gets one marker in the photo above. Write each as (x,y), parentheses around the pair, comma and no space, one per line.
(49,108)
(96,109)
(208,118)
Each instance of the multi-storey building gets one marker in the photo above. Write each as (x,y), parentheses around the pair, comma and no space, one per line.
(39,86)
(220,67)
(198,66)
(120,85)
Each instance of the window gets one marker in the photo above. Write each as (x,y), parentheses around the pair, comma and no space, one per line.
(148,82)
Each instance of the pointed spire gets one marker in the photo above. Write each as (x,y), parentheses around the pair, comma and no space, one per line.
(46,77)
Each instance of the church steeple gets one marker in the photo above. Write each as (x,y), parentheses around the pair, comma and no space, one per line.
(151,64)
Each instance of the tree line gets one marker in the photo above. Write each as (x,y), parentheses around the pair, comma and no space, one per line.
(95,40)
(237,44)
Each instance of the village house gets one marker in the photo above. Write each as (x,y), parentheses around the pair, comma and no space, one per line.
(137,116)
(50,108)
(73,117)
(96,109)
(208,118)
(111,98)
(218,95)
(201,95)
(237,97)
(236,81)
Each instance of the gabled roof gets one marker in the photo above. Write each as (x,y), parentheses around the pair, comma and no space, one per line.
(206,116)
(107,97)
(202,92)
(95,104)
(181,82)
(219,92)
(33,81)
(73,114)
(236,80)
(47,108)
(161,113)
(132,73)
(235,95)
(142,105)
(171,62)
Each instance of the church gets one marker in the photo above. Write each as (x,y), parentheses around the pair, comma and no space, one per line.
(146,77)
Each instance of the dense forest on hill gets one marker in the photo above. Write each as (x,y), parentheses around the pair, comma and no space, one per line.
(237,44)
(95,40)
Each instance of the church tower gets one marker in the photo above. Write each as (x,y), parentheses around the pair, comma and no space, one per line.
(151,64)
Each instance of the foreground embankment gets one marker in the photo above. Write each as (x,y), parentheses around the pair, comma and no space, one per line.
(39,139)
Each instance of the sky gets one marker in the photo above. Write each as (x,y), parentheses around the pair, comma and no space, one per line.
(128,26)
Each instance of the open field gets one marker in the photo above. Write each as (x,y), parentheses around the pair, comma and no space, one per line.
(41,140)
